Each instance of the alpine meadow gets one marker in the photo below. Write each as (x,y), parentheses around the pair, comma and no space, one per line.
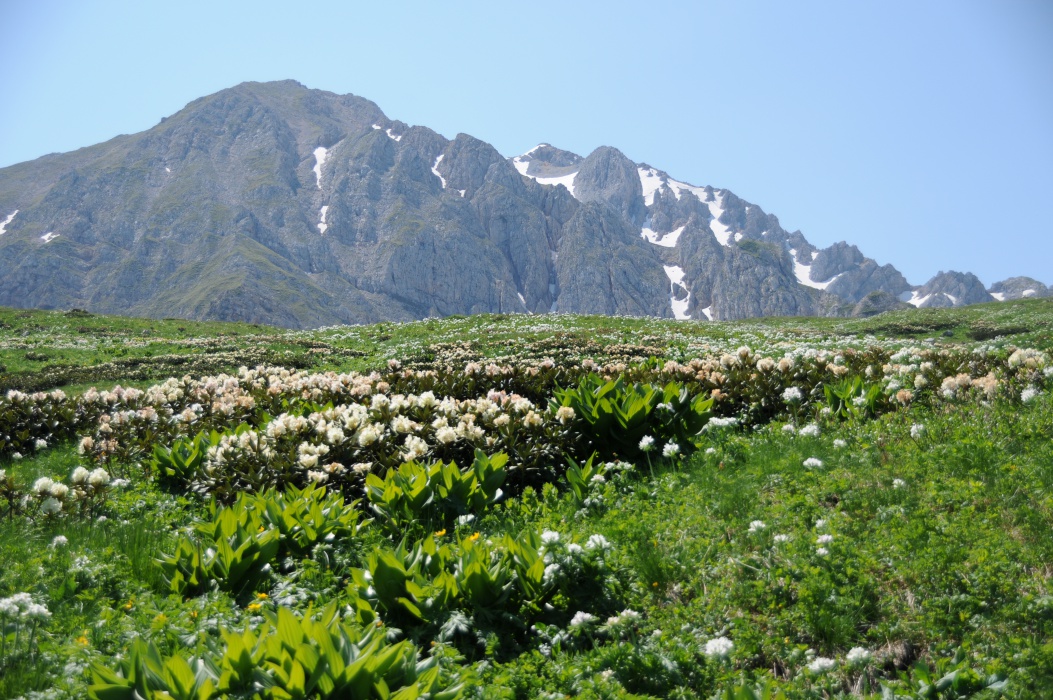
(528,506)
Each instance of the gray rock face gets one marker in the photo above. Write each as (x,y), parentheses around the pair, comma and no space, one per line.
(608,176)
(272,203)
(949,289)
(1019,288)
(875,303)
(855,276)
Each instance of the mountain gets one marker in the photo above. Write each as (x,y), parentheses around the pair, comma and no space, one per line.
(274,203)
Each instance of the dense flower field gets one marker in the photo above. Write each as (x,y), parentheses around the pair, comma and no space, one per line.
(530,523)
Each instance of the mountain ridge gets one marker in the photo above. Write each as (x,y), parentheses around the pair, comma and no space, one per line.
(274,203)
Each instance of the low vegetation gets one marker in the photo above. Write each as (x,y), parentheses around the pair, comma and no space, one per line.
(528,507)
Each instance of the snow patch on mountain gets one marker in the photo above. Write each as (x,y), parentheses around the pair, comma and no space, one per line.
(1028,293)
(522,165)
(651,182)
(666,240)
(722,232)
(804,274)
(49,236)
(676,279)
(3,225)
(322,226)
(565,180)
(708,312)
(319,158)
(435,170)
(1000,296)
(392,135)
(917,300)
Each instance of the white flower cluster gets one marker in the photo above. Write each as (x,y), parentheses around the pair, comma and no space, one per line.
(718,648)
(20,606)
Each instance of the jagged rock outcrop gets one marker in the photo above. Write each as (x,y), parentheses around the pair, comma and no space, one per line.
(948,289)
(273,203)
(1018,288)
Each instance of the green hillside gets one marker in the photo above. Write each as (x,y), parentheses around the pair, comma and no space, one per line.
(528,506)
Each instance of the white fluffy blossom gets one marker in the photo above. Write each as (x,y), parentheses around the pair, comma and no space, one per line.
(792,395)
(810,430)
(671,449)
(718,648)
(821,665)
(917,430)
(813,463)
(757,526)
(858,656)
(582,619)
(646,443)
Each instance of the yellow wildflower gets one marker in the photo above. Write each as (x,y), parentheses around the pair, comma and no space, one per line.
(473,538)
(441,532)
(255,607)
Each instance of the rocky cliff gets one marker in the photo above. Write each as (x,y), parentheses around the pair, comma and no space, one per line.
(270,202)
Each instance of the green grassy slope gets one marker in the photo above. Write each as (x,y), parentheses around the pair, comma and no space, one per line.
(894,546)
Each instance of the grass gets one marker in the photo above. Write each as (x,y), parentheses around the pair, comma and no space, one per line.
(936,539)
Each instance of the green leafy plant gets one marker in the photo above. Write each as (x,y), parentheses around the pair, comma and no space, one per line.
(618,415)
(436,493)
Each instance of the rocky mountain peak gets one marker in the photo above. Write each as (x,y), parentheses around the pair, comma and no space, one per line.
(275,203)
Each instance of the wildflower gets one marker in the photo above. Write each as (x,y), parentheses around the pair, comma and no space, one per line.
(825,539)
(79,476)
(59,491)
(781,538)
(40,444)
(98,478)
(43,485)
(59,541)
(646,443)
(717,423)
(549,537)
(757,526)
(839,443)
(820,523)
(582,619)
(598,542)
(917,430)
(810,430)
(446,435)
(262,596)
(822,551)
(711,450)
(82,640)
(813,463)
(1028,394)
(254,607)
(792,395)
(898,483)
(565,415)
(440,533)
(718,648)
(821,665)
(858,656)
(317,477)
(467,518)
(16,455)
(50,506)
(473,537)
(789,429)
(35,611)
(671,449)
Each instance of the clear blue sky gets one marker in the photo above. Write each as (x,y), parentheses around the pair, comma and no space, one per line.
(921,131)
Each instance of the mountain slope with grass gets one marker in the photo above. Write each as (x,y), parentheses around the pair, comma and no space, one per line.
(522,507)
(272,203)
